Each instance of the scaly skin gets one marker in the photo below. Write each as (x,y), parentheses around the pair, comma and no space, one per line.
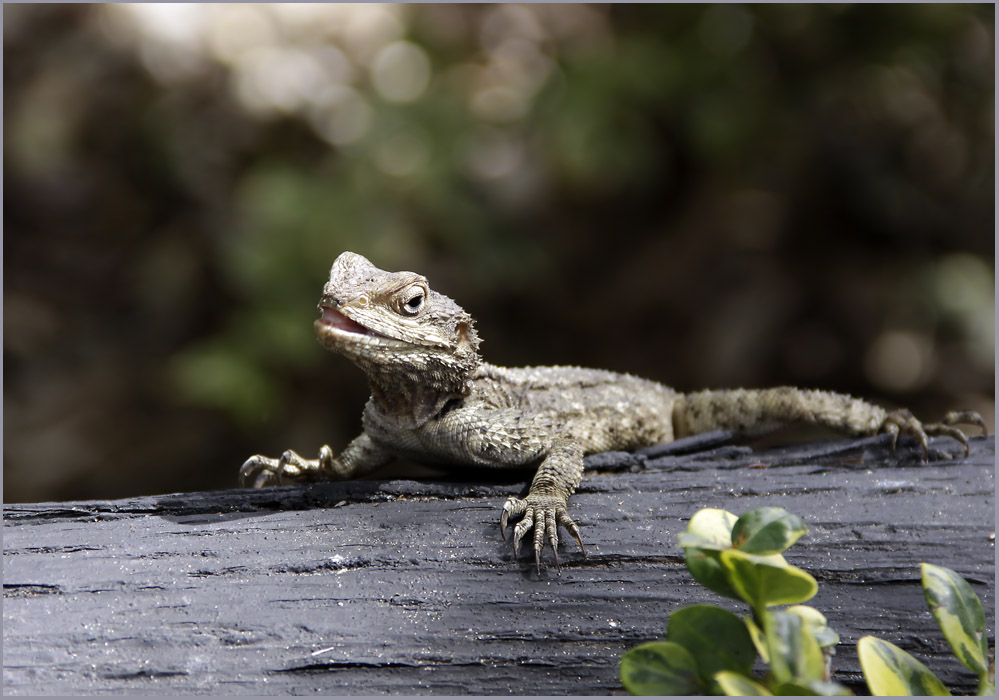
(434,400)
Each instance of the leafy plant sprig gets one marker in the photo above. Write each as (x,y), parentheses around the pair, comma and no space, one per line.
(710,650)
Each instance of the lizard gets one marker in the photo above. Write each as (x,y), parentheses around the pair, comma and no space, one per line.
(435,400)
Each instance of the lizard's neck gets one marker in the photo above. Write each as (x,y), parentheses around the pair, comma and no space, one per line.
(412,401)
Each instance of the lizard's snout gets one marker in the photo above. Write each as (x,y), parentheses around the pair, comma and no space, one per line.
(331,301)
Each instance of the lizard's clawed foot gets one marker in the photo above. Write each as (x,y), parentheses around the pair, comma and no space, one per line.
(290,468)
(902,421)
(544,513)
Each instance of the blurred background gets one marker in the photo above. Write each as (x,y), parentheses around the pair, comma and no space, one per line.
(706,195)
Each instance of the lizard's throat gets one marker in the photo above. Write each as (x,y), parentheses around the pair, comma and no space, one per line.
(403,382)
(410,404)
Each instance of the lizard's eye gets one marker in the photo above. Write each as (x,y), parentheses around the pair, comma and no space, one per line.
(414,302)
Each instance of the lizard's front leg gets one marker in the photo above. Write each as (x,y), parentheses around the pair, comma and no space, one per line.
(546,504)
(361,456)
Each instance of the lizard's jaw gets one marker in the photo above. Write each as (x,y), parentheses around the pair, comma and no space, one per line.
(333,320)
(338,332)
(368,338)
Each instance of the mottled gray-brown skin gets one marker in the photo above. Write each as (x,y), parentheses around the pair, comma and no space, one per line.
(434,400)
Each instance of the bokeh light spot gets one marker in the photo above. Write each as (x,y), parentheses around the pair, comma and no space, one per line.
(401,72)
(341,115)
(899,360)
(238,29)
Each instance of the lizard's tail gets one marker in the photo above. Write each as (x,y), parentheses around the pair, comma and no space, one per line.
(756,411)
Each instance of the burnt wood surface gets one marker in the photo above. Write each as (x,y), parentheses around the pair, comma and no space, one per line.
(371,587)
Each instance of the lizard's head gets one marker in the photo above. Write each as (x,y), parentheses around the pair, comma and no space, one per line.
(393,323)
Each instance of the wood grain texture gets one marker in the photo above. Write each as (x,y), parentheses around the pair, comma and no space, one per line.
(372,587)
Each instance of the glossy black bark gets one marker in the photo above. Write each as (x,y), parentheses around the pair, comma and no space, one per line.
(373,587)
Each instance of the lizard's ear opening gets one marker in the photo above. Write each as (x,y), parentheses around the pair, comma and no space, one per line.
(468,339)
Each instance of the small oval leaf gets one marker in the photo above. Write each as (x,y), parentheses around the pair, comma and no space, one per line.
(705,566)
(889,670)
(816,622)
(712,527)
(795,655)
(716,638)
(959,614)
(660,668)
(767,531)
(761,583)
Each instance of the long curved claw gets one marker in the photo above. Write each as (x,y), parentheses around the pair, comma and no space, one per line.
(966,418)
(570,525)
(246,471)
(512,507)
(521,529)
(540,529)
(942,429)
(256,471)
(902,421)
(893,430)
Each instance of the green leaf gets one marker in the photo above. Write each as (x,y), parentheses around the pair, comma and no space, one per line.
(795,655)
(816,623)
(706,568)
(660,668)
(759,639)
(767,531)
(709,528)
(959,614)
(708,534)
(890,671)
(717,639)
(761,581)
(738,684)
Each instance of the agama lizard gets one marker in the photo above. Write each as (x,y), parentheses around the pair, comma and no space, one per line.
(434,400)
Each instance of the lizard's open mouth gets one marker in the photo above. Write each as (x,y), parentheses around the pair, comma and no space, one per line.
(332,318)
(339,332)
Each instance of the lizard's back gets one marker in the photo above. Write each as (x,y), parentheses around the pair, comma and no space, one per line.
(603,410)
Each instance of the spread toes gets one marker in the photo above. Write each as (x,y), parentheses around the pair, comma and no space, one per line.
(903,422)
(259,471)
(543,514)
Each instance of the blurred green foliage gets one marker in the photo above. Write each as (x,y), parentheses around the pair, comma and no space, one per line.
(707,195)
